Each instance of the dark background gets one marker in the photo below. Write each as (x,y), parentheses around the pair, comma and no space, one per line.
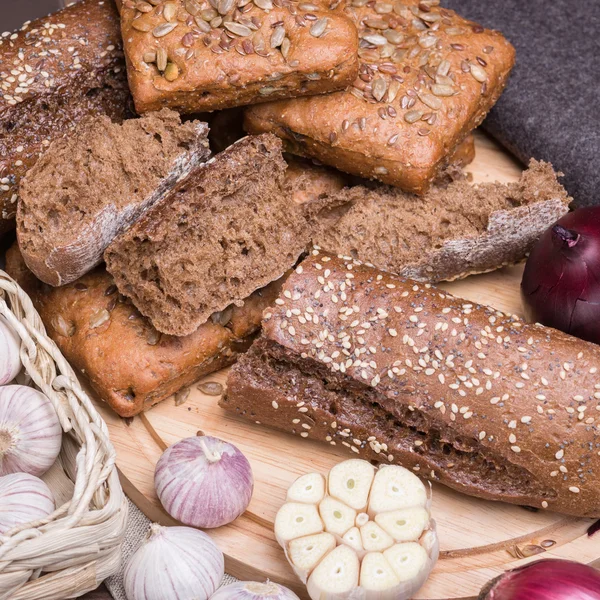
(16,12)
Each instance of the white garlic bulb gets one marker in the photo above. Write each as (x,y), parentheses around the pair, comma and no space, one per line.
(360,534)
(252,590)
(204,482)
(30,432)
(174,563)
(10,361)
(23,499)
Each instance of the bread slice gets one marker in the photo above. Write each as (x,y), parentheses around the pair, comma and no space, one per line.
(452,232)
(93,184)
(226,231)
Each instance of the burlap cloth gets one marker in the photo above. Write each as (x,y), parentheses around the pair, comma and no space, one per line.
(137,529)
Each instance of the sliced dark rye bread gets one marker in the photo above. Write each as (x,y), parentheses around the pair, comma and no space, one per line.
(93,184)
(226,231)
(451,232)
(404,373)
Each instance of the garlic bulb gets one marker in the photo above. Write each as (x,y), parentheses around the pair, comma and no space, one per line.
(10,361)
(23,499)
(360,534)
(174,563)
(204,482)
(251,590)
(30,432)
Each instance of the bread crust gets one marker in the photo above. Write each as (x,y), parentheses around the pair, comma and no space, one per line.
(405,113)
(128,363)
(515,404)
(243,59)
(76,70)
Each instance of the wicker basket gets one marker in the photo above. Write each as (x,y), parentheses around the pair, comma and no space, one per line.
(74,549)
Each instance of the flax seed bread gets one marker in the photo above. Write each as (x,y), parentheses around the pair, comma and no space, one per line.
(91,186)
(221,234)
(451,232)
(404,373)
(55,72)
(130,365)
(196,55)
(427,77)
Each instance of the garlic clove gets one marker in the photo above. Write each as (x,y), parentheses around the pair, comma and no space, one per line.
(394,488)
(409,560)
(307,552)
(338,517)
(350,482)
(295,520)
(203,481)
(377,575)
(30,432)
(178,563)
(374,538)
(309,488)
(405,525)
(24,498)
(10,360)
(336,575)
(352,538)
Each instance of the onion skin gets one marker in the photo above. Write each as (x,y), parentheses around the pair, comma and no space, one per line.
(174,563)
(10,361)
(545,580)
(250,590)
(561,281)
(204,482)
(30,432)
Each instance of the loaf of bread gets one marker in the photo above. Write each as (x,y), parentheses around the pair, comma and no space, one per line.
(195,55)
(224,232)
(451,232)
(404,373)
(427,77)
(91,186)
(54,72)
(129,364)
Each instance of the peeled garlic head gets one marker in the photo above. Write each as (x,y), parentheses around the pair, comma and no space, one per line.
(10,361)
(23,499)
(178,563)
(30,432)
(369,536)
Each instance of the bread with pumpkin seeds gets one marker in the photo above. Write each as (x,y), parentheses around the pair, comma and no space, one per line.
(404,373)
(205,55)
(54,72)
(427,77)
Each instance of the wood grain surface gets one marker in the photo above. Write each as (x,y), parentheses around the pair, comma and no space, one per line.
(479,539)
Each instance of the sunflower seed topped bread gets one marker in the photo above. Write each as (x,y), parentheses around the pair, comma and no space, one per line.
(201,55)
(226,231)
(427,77)
(54,72)
(91,186)
(401,372)
(130,365)
(449,233)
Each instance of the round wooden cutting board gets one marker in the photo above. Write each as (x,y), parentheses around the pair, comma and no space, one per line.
(479,539)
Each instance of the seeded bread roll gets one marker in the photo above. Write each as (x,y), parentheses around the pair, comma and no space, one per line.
(404,373)
(224,232)
(91,186)
(55,72)
(130,365)
(427,77)
(194,55)
(451,232)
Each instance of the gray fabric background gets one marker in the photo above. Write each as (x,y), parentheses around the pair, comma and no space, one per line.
(550,109)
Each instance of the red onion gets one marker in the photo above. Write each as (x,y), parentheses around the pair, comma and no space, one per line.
(204,482)
(561,282)
(546,580)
